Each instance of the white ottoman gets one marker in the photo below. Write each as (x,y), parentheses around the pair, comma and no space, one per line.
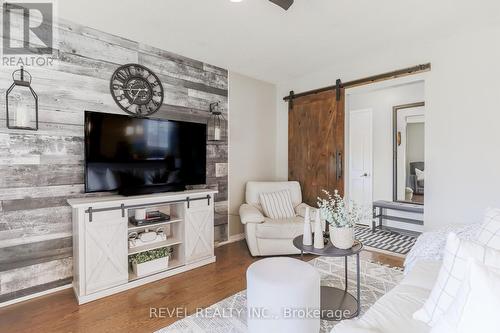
(283,295)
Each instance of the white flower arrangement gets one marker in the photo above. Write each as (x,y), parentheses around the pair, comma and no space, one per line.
(337,212)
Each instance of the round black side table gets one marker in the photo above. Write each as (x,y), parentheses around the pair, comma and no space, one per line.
(336,304)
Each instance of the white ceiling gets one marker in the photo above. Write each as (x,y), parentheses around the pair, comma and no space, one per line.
(259,39)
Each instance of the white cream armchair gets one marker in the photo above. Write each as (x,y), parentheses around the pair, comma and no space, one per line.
(266,236)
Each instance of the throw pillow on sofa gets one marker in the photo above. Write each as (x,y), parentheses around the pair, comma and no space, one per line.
(453,271)
(475,308)
(489,234)
(277,205)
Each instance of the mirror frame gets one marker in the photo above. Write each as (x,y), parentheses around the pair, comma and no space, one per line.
(395,110)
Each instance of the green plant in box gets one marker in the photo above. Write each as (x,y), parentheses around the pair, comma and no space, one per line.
(146,256)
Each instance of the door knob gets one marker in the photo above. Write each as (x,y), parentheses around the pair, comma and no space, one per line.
(364,175)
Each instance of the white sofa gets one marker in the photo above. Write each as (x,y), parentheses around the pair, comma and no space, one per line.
(393,312)
(266,236)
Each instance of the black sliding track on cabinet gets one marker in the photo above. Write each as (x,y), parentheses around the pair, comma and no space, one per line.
(122,207)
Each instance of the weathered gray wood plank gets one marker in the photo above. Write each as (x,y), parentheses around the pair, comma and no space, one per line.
(217,153)
(221,213)
(35,289)
(166,55)
(194,85)
(34,253)
(19,236)
(40,175)
(40,219)
(171,68)
(31,276)
(63,24)
(87,46)
(79,65)
(35,203)
(28,203)
(181,113)
(33,144)
(41,192)
(48,129)
(214,69)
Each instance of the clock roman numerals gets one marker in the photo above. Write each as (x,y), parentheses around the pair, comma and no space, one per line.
(121,76)
(117,86)
(136,90)
(153,105)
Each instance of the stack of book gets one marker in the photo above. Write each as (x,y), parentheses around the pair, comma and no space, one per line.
(151,218)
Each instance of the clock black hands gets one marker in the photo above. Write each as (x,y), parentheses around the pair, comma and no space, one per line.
(136,90)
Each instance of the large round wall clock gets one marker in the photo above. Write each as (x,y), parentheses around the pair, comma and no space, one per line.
(137,90)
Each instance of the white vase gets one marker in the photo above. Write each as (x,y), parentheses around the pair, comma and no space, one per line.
(307,238)
(342,238)
(318,232)
(140,214)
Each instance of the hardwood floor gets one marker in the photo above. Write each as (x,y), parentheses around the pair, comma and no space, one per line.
(418,198)
(129,311)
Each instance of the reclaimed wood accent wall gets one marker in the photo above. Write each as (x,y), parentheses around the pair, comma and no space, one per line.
(40,170)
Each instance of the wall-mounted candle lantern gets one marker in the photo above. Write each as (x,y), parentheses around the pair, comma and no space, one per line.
(22,102)
(216,123)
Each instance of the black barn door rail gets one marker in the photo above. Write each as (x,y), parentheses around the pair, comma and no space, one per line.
(367,80)
(122,207)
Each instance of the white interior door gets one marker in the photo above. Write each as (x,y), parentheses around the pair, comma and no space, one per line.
(361,160)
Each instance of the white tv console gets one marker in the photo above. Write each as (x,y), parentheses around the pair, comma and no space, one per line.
(100,239)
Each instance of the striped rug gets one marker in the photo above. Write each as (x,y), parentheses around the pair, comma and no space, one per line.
(385,241)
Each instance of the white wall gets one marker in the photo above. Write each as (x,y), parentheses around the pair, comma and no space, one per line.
(252,139)
(462,117)
(381,102)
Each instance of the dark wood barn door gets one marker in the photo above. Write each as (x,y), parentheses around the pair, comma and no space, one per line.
(316,143)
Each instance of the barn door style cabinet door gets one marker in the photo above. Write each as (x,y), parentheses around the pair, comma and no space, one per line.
(106,251)
(101,230)
(199,231)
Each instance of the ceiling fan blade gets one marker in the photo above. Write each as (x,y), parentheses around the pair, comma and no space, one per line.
(285,4)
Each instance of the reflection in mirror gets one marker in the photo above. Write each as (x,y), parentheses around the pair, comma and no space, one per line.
(409,152)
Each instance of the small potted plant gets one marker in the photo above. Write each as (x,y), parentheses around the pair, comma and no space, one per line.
(342,218)
(151,261)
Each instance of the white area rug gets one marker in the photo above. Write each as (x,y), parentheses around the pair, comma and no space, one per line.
(229,315)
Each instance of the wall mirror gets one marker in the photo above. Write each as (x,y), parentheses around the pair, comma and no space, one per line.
(409,153)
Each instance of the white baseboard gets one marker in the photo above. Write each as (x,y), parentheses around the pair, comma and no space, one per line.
(232,239)
(35,295)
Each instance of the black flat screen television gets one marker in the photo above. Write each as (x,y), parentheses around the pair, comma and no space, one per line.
(139,155)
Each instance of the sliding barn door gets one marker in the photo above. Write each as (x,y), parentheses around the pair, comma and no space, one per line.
(316,143)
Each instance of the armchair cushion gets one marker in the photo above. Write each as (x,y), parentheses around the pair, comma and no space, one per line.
(280,228)
(250,214)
